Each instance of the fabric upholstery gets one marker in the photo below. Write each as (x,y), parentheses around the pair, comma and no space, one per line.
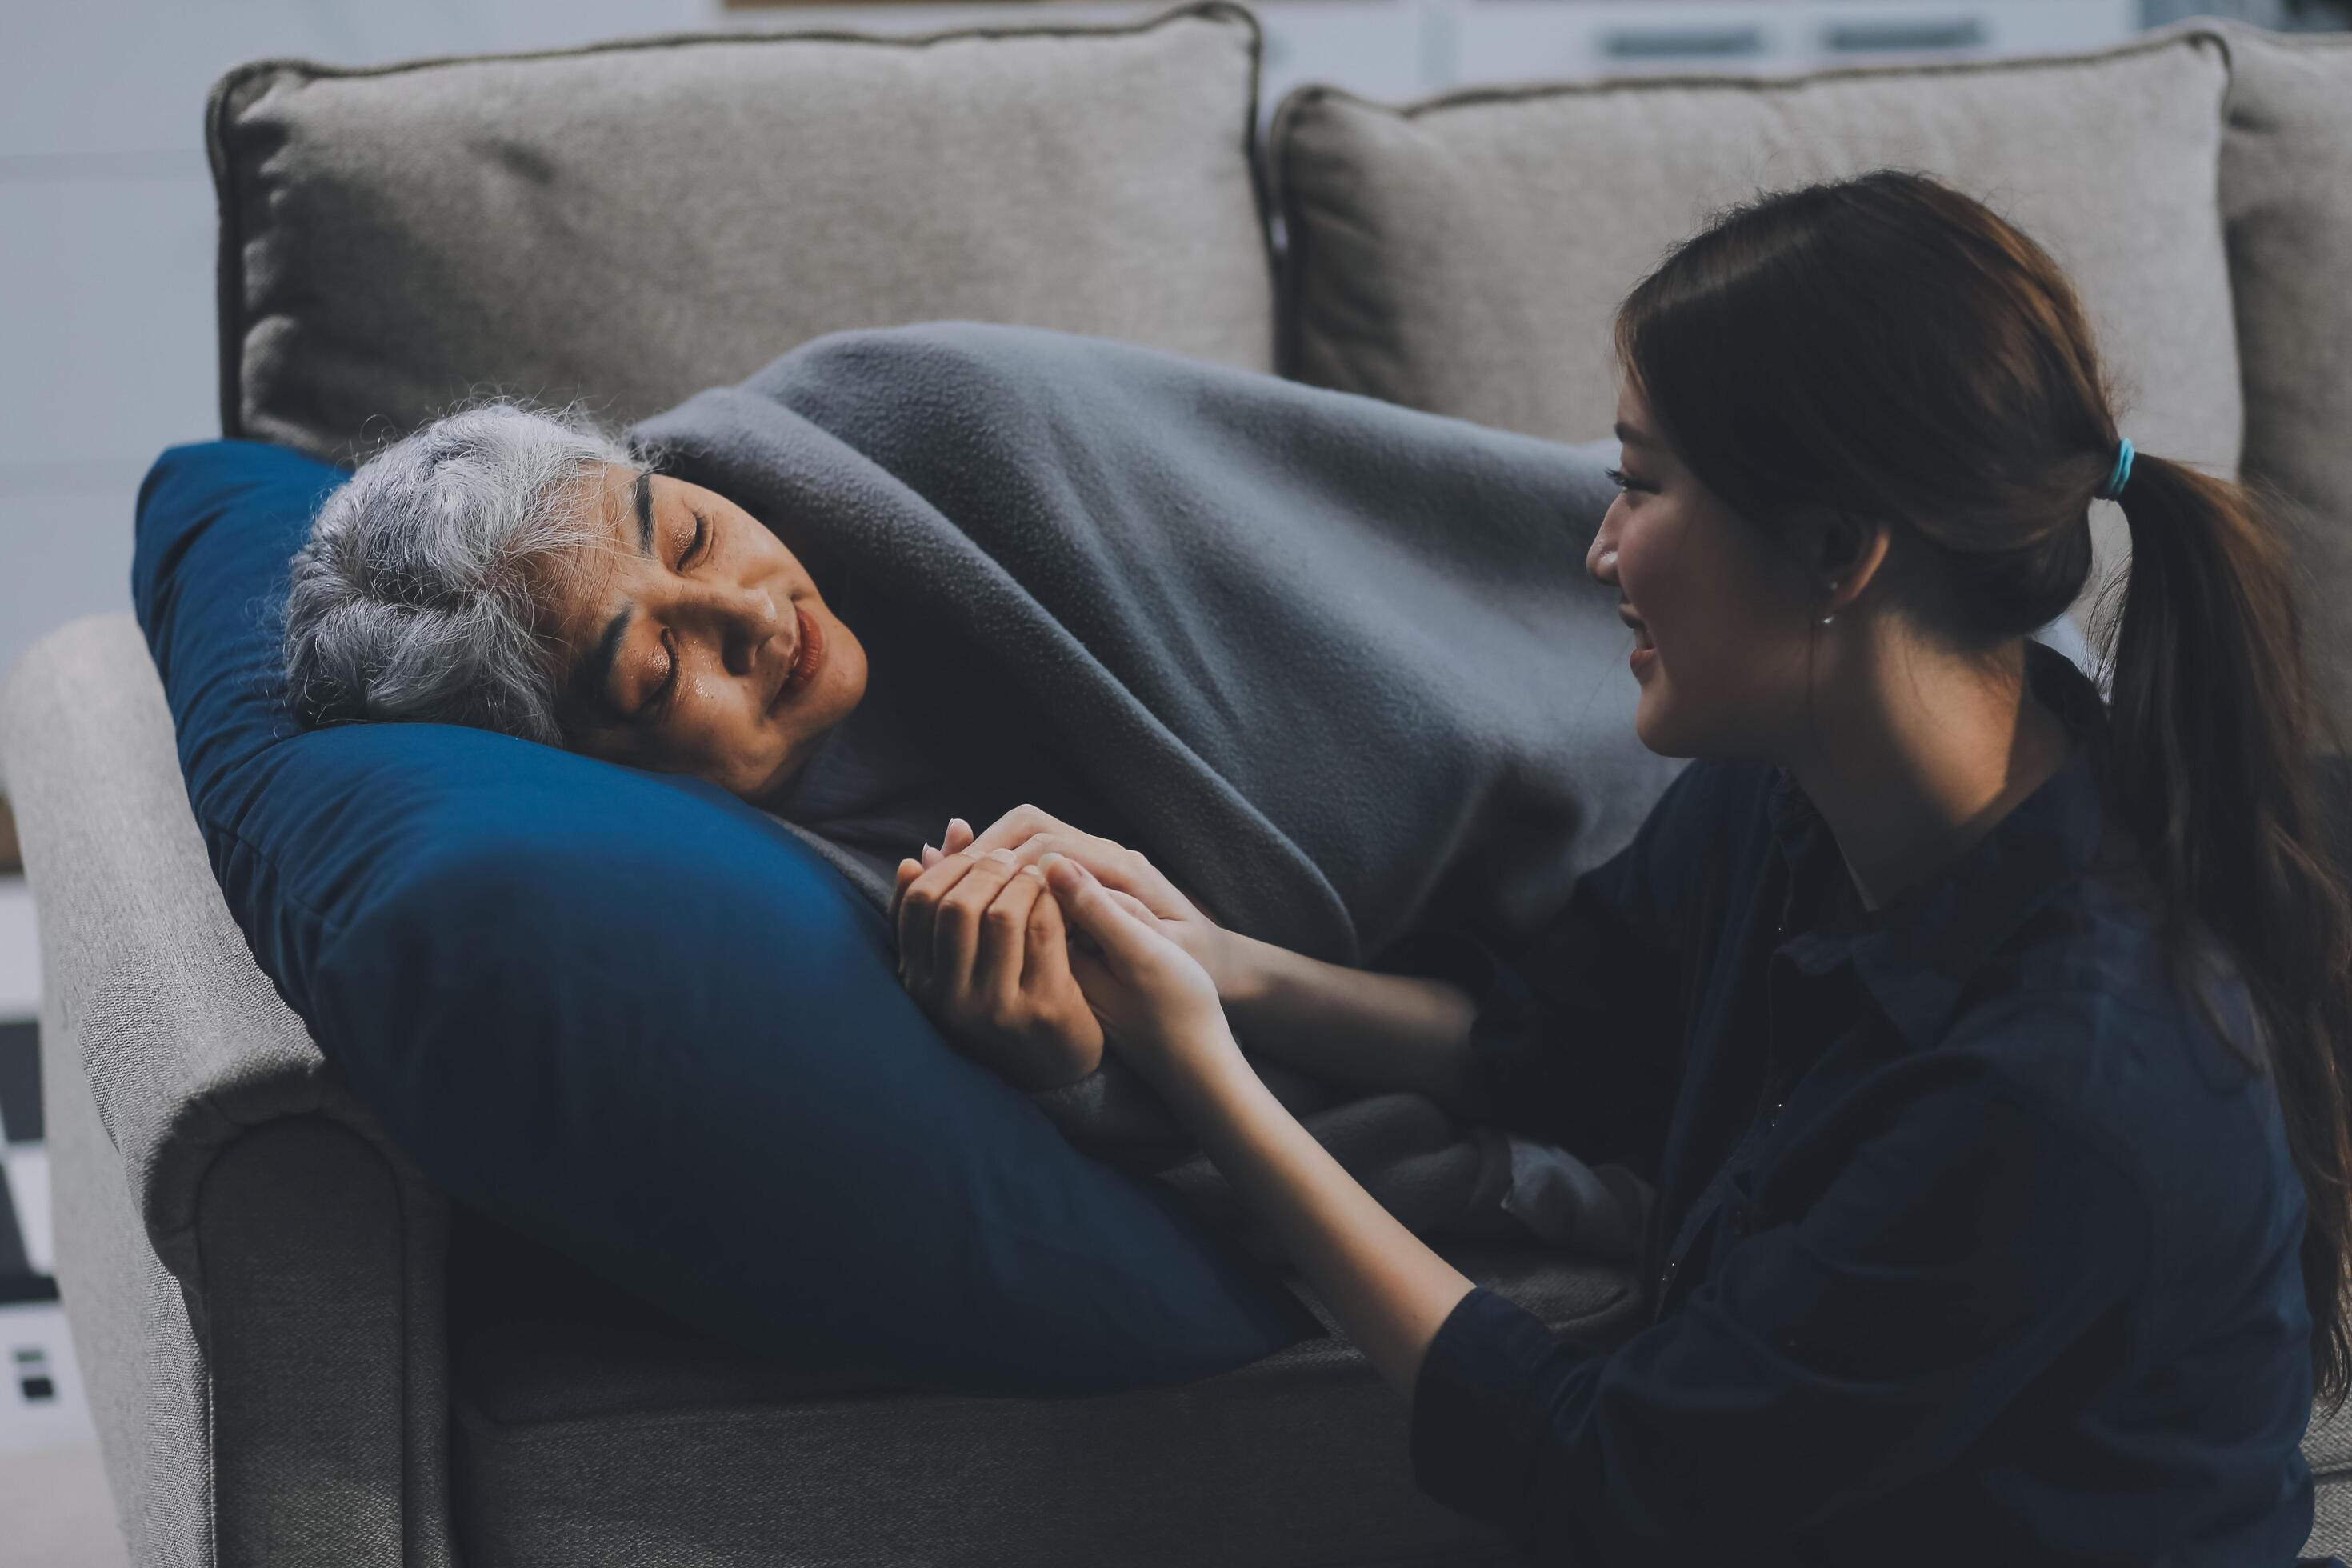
(636,1448)
(306,1323)
(2286,200)
(2331,1524)
(631,222)
(163,1047)
(1466,253)
(144,1370)
(2328,1446)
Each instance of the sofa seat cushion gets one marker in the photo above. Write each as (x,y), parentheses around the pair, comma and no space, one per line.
(589,1430)
(633,222)
(1466,254)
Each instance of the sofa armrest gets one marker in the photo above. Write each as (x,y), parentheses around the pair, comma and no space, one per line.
(201,1130)
(185,1042)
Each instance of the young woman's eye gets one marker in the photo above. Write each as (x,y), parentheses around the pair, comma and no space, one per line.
(1616,477)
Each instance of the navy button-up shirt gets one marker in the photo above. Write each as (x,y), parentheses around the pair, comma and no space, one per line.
(1973,1243)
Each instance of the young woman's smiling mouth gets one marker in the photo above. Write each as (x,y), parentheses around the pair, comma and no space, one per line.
(1645,652)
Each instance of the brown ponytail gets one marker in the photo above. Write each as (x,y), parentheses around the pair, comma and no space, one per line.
(1930,365)
(2214,724)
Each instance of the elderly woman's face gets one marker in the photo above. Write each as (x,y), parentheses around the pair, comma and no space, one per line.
(694,642)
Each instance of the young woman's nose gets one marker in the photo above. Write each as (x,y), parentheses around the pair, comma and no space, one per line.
(1600,560)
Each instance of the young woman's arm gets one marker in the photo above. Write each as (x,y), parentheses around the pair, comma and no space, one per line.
(1352,1027)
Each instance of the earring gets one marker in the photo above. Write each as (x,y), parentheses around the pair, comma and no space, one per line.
(1833,615)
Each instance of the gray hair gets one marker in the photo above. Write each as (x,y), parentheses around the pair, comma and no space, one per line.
(414,597)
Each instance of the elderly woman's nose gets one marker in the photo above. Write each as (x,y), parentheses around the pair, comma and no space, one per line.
(749,615)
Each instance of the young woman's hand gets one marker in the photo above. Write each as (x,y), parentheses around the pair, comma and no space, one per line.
(1137,886)
(1157,1006)
(983,948)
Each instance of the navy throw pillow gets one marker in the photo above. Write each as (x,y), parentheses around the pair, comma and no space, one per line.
(626,1013)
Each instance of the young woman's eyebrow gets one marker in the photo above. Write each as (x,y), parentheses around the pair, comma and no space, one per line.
(1631,437)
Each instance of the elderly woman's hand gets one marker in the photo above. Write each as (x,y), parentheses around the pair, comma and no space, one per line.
(983,948)
(1134,884)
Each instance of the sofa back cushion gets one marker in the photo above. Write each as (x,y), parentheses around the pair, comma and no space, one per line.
(631,223)
(1466,254)
(2286,200)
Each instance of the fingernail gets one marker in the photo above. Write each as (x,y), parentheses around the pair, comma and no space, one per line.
(1001,856)
(929,851)
(1032,871)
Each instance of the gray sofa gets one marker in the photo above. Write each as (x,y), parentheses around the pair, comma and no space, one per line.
(299,1352)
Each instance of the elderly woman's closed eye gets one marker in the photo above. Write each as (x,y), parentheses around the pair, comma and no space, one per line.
(521,571)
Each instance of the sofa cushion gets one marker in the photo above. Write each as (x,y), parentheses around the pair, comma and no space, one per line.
(586,1433)
(632,222)
(628,1014)
(2286,200)
(1466,254)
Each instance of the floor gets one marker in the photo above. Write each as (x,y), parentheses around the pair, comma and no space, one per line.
(54,1509)
(57,1511)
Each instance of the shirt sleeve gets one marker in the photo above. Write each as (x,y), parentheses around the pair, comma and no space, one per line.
(1824,1362)
(1577,1035)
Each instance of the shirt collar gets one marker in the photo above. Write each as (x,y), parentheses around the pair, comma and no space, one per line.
(1916,954)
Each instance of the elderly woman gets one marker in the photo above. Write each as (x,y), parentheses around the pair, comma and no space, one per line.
(522,571)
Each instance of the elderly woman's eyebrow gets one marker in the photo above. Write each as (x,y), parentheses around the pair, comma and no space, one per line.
(591,675)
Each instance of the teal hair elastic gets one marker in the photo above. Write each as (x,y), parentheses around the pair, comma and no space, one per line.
(2117,480)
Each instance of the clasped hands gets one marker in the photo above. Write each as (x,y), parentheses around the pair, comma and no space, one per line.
(1033,974)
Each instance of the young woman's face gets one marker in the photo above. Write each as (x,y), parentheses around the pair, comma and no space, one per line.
(1723,616)
(692,641)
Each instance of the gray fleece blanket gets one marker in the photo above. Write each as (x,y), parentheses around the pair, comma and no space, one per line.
(1335,665)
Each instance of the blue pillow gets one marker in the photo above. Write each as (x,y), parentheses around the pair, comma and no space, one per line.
(628,1014)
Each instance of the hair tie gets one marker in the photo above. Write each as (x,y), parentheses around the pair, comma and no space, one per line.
(2122,474)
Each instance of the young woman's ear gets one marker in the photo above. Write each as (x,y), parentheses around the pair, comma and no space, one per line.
(1845,548)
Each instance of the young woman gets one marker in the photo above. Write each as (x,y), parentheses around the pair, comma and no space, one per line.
(1988,1045)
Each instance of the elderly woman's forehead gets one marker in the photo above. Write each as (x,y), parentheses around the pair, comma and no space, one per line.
(574,582)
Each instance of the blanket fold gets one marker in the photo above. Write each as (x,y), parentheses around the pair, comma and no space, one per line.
(1336,665)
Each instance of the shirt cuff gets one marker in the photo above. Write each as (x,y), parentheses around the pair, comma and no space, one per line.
(1484,1404)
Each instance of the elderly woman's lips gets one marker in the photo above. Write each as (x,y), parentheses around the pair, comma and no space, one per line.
(806,665)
